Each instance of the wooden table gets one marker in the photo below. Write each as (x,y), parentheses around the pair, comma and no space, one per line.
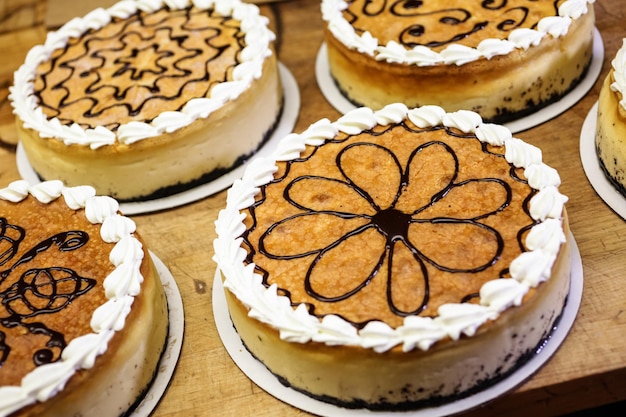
(588,370)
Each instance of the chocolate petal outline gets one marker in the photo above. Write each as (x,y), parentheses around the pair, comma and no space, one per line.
(360,177)
(350,201)
(360,282)
(332,240)
(14,242)
(447,221)
(442,207)
(424,278)
(412,176)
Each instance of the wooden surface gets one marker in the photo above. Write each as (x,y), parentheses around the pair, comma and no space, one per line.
(21,14)
(588,370)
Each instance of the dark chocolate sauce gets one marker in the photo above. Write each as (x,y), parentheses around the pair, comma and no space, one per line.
(125,72)
(391,222)
(37,291)
(424,17)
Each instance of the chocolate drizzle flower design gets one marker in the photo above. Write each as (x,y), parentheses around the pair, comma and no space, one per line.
(37,291)
(354,211)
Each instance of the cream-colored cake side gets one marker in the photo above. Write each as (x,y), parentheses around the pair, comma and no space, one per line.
(610,135)
(457,339)
(169,159)
(356,377)
(106,371)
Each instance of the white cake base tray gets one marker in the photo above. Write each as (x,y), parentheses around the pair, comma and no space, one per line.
(607,192)
(260,375)
(343,105)
(289,116)
(170,356)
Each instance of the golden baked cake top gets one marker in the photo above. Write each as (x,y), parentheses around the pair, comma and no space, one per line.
(618,77)
(69,272)
(427,32)
(140,69)
(395,227)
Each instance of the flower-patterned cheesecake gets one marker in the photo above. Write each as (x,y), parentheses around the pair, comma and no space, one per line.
(83,314)
(501,59)
(395,259)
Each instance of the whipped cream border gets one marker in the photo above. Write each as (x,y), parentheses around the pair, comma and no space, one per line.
(454,320)
(457,54)
(258,37)
(121,286)
(619,73)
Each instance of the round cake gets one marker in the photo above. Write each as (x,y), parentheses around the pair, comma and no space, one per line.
(84,318)
(501,59)
(150,90)
(610,136)
(395,259)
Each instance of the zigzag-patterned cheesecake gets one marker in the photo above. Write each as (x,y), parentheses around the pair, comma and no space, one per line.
(154,91)
(395,259)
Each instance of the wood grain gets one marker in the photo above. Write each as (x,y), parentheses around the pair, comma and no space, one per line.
(588,370)
(21,14)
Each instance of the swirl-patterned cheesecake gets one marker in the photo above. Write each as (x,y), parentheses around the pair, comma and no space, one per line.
(610,138)
(83,314)
(154,91)
(501,59)
(395,259)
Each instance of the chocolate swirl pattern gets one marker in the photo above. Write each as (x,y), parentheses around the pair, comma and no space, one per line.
(433,24)
(37,291)
(136,68)
(416,231)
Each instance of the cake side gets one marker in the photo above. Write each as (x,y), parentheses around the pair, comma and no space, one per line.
(110,288)
(435,324)
(610,135)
